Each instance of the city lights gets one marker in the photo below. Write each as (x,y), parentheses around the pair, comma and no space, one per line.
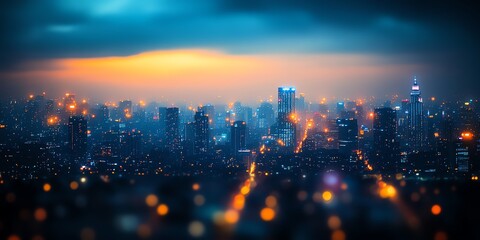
(218,119)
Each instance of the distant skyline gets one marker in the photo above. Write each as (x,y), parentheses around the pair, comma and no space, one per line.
(220,51)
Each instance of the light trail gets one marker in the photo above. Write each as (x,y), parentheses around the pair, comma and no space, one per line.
(309,126)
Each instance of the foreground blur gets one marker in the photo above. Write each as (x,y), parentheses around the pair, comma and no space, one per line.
(264,207)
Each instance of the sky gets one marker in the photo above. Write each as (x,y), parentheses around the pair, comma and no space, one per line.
(217,50)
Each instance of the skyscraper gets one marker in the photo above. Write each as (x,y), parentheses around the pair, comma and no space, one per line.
(385,142)
(238,136)
(201,137)
(162,119)
(209,111)
(132,145)
(415,119)
(125,110)
(265,118)
(286,116)
(77,135)
(347,135)
(172,128)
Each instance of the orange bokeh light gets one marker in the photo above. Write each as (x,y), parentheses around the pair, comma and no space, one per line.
(267,214)
(436,209)
(162,209)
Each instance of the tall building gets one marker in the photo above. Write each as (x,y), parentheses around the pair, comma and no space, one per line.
(385,144)
(467,153)
(172,128)
(416,119)
(202,133)
(132,145)
(162,119)
(265,117)
(209,111)
(125,110)
(238,135)
(77,135)
(286,116)
(347,135)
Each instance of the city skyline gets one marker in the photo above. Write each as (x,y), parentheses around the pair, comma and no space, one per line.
(239,119)
(378,100)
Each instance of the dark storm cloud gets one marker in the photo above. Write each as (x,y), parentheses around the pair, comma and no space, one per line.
(443,34)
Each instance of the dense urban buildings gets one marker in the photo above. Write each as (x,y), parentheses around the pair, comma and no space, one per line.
(437,139)
(380,142)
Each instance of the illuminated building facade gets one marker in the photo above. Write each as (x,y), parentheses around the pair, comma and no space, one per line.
(347,136)
(416,119)
(172,128)
(77,135)
(385,142)
(286,116)
(202,133)
(238,135)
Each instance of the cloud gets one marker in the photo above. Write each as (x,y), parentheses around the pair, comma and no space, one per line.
(201,75)
(441,35)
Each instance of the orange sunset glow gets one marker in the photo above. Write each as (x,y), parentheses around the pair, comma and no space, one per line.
(192,73)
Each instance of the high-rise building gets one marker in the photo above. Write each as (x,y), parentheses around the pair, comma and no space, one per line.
(238,135)
(125,110)
(162,119)
(416,119)
(172,128)
(77,135)
(467,153)
(132,145)
(347,135)
(265,116)
(202,133)
(340,108)
(209,111)
(286,117)
(385,142)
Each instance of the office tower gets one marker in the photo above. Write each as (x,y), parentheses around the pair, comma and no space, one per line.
(265,117)
(103,114)
(467,119)
(34,115)
(189,138)
(238,113)
(301,107)
(330,134)
(220,117)
(403,125)
(340,108)
(125,110)
(77,135)
(467,153)
(209,111)
(385,144)
(172,128)
(248,113)
(238,135)
(416,119)
(162,119)
(201,138)
(286,117)
(132,146)
(360,113)
(140,114)
(347,136)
